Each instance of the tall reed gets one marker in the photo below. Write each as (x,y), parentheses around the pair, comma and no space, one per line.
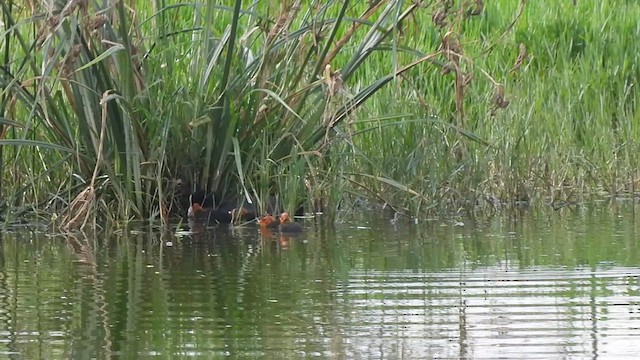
(445,105)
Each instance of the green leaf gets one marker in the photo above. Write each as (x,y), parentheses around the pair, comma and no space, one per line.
(110,51)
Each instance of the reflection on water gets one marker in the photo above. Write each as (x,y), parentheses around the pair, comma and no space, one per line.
(559,285)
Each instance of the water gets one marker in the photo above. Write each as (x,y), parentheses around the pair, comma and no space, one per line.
(539,286)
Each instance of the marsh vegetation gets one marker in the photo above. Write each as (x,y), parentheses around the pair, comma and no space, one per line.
(424,106)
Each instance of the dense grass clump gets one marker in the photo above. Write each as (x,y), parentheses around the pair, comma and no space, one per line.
(422,106)
(570,128)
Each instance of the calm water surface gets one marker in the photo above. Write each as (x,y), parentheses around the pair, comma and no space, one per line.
(537,286)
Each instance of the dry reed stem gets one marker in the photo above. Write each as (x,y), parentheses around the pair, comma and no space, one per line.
(343,41)
(84,201)
(78,208)
(522,56)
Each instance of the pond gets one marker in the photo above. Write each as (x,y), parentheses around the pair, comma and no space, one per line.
(534,285)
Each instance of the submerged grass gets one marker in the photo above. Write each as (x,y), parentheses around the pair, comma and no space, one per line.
(424,107)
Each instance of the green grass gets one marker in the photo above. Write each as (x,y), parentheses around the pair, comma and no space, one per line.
(570,128)
(126,110)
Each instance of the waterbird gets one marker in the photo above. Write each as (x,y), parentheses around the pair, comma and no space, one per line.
(287,225)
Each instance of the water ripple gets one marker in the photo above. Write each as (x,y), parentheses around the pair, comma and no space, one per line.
(491,313)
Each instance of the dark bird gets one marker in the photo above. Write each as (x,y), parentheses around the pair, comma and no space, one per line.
(287,225)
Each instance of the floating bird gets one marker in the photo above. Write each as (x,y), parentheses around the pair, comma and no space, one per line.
(287,225)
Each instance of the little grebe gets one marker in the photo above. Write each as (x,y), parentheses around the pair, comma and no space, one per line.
(288,226)
(201,207)
(269,221)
